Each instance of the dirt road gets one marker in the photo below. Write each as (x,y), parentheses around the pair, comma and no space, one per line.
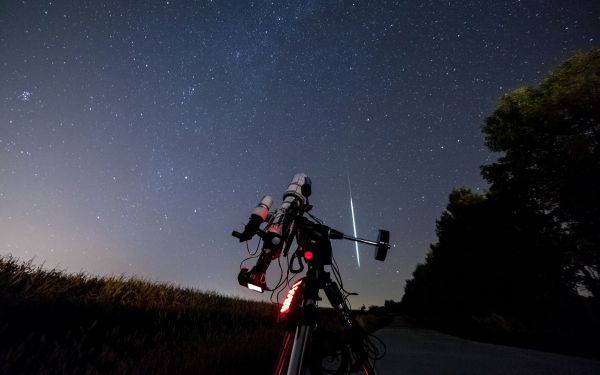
(412,351)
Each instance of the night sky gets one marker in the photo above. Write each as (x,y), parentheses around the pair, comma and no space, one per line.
(136,135)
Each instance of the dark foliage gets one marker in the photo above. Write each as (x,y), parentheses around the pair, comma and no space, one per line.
(522,262)
(550,138)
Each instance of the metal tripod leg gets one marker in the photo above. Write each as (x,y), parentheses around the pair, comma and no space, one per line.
(333,293)
(284,354)
(298,349)
(305,325)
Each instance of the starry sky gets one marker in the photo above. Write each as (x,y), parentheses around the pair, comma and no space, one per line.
(136,135)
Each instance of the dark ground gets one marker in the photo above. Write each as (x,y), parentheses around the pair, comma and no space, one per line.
(418,351)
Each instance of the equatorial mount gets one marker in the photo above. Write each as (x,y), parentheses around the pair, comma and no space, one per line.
(288,222)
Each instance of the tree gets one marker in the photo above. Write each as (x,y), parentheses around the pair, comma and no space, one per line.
(549,137)
(487,260)
(528,245)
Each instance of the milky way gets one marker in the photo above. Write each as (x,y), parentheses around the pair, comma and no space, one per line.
(136,135)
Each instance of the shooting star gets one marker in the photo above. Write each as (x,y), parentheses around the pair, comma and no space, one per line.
(353,221)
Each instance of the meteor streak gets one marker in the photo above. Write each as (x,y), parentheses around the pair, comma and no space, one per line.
(353,221)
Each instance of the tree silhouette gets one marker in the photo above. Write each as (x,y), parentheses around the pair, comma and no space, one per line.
(529,247)
(551,164)
(487,260)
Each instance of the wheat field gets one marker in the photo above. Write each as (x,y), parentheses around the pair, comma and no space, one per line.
(52,322)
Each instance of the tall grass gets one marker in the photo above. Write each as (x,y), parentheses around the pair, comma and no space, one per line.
(54,322)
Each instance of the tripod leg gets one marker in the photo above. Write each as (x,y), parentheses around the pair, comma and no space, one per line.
(292,358)
(284,354)
(357,335)
(297,357)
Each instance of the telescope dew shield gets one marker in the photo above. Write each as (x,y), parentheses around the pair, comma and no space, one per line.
(299,186)
(262,209)
(280,223)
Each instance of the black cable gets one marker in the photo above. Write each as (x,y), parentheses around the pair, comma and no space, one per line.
(374,349)
(286,281)
(338,276)
(246,259)
(279,282)
(373,352)
(257,247)
(315,218)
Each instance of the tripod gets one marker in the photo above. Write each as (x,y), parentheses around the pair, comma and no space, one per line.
(299,312)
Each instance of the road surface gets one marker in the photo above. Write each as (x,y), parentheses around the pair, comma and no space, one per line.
(413,351)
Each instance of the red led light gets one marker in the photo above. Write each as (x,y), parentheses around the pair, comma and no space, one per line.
(290,297)
(308,255)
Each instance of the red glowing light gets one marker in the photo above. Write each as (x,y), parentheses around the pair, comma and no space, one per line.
(308,255)
(290,297)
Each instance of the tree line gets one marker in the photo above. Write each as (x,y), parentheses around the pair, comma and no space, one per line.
(525,255)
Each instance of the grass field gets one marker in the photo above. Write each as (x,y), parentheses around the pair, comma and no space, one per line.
(54,322)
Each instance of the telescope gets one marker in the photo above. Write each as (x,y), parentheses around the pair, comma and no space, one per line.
(298,312)
(277,230)
(287,223)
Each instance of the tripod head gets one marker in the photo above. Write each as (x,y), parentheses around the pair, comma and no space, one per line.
(288,222)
